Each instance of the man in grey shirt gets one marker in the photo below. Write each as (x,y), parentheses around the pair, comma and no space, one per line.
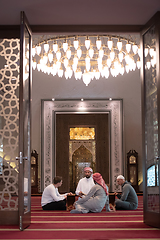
(128,200)
(96,199)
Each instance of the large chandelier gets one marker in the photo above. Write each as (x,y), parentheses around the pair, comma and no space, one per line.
(87,57)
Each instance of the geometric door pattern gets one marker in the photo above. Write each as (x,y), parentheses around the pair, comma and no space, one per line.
(9,122)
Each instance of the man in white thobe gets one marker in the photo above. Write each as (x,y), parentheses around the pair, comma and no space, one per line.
(85,184)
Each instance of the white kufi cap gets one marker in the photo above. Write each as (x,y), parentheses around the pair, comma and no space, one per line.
(121,177)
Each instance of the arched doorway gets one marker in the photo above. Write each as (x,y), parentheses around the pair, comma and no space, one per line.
(81,158)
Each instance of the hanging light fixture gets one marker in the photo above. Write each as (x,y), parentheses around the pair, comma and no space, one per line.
(88,57)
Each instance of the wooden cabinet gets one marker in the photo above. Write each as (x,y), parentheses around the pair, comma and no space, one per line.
(34,172)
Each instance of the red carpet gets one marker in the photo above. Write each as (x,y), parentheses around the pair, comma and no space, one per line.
(63,225)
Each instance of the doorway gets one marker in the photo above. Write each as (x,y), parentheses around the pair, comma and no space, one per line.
(54,147)
(63,123)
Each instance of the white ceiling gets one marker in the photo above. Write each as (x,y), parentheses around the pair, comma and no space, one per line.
(83,12)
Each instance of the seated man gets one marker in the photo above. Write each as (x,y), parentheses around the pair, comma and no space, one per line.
(128,200)
(51,199)
(86,183)
(95,200)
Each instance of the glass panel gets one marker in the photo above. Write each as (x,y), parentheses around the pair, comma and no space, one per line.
(151,119)
(82,133)
(151,177)
(9,123)
(26,123)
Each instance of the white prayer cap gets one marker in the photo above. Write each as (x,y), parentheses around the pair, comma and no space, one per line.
(121,177)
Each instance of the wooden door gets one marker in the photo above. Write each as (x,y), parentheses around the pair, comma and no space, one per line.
(25,125)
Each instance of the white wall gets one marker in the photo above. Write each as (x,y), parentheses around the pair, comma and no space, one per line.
(126,87)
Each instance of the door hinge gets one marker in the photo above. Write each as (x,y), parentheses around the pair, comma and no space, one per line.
(20,223)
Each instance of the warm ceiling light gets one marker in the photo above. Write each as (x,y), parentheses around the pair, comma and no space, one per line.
(89,57)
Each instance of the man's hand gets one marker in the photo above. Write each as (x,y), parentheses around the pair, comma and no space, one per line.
(70,194)
(81,193)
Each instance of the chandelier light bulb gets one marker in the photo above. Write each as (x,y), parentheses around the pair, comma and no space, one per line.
(135,48)
(91,52)
(116,64)
(112,72)
(65,62)
(41,61)
(120,56)
(38,49)
(97,74)
(60,72)
(153,62)
(65,46)
(138,64)
(100,67)
(87,60)
(69,72)
(33,51)
(110,44)
(34,64)
(45,59)
(139,52)
(74,67)
(148,64)
(48,69)
(78,73)
(55,47)
(119,45)
(106,72)
(53,72)
(58,64)
(68,53)
(27,54)
(54,69)
(50,56)
(109,62)
(151,52)
(127,68)
(86,78)
(92,73)
(87,43)
(98,43)
(43,68)
(101,52)
(122,70)
(112,55)
(25,61)
(38,66)
(76,44)
(66,74)
(146,52)
(128,47)
(58,55)
(99,60)
(46,47)
(79,52)
(127,58)
(75,60)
